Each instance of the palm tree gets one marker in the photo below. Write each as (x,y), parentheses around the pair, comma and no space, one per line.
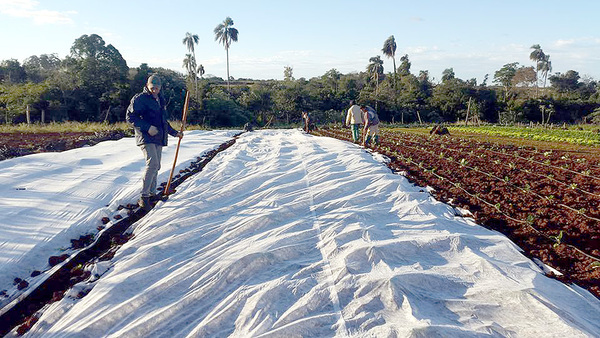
(226,34)
(543,66)
(448,74)
(375,68)
(546,67)
(389,50)
(537,56)
(200,70)
(189,41)
(189,63)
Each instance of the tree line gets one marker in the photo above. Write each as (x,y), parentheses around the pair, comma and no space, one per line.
(94,83)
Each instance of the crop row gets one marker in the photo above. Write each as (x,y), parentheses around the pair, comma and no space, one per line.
(583,137)
(577,176)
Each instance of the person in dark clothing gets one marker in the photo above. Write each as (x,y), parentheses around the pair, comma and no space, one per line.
(148,115)
(307,122)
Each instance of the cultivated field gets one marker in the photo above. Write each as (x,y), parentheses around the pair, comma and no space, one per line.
(541,190)
(540,187)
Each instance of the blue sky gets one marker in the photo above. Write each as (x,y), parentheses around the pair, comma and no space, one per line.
(474,38)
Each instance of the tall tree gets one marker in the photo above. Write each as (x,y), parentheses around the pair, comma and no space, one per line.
(190,61)
(39,68)
(389,50)
(408,86)
(567,82)
(405,64)
(375,70)
(11,71)
(331,79)
(545,67)
(450,98)
(288,73)
(189,41)
(524,77)
(200,70)
(425,91)
(505,76)
(537,56)
(101,74)
(375,67)
(448,74)
(226,34)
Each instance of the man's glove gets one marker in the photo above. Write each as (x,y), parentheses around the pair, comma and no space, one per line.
(152,131)
(179,134)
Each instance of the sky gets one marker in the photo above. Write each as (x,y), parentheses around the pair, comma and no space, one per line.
(474,38)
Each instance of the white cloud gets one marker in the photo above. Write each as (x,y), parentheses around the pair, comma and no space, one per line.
(416,50)
(153,61)
(213,61)
(582,43)
(29,9)
(563,43)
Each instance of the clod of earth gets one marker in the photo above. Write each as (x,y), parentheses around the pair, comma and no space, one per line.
(22,285)
(82,242)
(54,260)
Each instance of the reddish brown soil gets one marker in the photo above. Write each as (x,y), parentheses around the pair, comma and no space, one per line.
(19,144)
(546,201)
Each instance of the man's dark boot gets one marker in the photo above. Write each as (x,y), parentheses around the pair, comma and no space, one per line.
(144,203)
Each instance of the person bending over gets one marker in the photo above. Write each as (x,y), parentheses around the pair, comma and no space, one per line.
(371,130)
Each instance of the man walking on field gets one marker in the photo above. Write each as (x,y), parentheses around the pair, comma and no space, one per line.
(148,115)
(354,120)
(371,130)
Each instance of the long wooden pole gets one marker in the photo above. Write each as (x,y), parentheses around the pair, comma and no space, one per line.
(468,109)
(183,119)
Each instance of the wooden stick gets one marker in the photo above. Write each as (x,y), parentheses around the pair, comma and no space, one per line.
(468,109)
(183,119)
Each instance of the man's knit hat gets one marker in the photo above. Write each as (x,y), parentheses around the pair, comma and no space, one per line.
(154,80)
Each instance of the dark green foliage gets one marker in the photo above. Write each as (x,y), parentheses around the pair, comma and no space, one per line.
(40,68)
(220,111)
(566,83)
(594,117)
(11,71)
(94,83)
